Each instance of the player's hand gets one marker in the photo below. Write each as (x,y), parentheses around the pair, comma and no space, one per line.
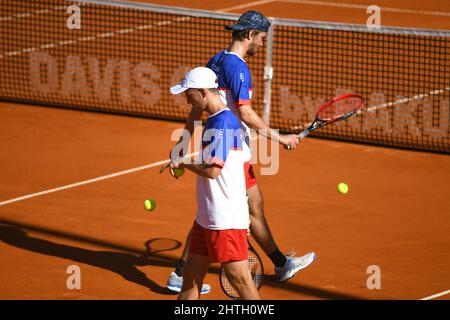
(171,164)
(290,140)
(177,169)
(173,158)
(174,164)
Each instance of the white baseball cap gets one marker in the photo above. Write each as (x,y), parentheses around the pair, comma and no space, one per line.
(197,78)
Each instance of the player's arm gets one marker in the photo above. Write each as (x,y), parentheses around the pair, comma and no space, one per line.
(214,153)
(240,84)
(254,121)
(205,170)
(194,115)
(184,139)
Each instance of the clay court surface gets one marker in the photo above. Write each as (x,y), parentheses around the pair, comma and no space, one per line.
(395,216)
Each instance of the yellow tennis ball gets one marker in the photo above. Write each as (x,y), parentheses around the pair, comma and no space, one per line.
(178,172)
(149,204)
(342,188)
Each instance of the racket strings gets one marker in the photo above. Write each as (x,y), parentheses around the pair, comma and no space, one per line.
(256,270)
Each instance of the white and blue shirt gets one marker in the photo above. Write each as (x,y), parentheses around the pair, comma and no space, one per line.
(235,83)
(222,202)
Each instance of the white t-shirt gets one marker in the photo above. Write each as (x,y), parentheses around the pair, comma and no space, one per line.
(222,202)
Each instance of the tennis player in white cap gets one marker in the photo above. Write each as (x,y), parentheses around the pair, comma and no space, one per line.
(219,233)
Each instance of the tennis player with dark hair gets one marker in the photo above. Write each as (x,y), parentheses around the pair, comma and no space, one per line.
(219,233)
(235,89)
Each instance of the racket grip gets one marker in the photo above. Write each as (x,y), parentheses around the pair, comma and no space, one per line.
(164,167)
(303,134)
(300,137)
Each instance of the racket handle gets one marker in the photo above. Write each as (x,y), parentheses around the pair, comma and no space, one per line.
(300,137)
(164,167)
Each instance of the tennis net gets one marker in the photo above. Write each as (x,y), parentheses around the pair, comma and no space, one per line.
(124,57)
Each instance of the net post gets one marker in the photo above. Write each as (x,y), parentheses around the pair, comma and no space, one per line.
(268,73)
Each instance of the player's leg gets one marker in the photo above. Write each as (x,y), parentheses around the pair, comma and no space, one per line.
(196,265)
(193,274)
(230,248)
(285,266)
(240,278)
(175,281)
(258,227)
(184,255)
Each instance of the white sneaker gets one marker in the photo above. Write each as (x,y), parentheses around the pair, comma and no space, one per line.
(293,265)
(174,283)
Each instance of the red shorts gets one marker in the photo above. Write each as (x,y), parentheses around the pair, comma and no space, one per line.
(250,178)
(219,245)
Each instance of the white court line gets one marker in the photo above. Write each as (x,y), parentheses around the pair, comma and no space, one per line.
(437,295)
(85,182)
(117,32)
(24,15)
(109,176)
(86,38)
(29,50)
(48,46)
(27,14)
(167,22)
(246,5)
(385,105)
(62,43)
(405,100)
(109,34)
(364,7)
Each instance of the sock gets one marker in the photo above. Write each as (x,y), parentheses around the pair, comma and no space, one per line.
(278,258)
(179,267)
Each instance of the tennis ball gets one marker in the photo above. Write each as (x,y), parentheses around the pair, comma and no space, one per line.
(149,204)
(342,188)
(178,172)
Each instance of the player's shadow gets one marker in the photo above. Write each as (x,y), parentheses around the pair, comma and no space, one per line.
(124,264)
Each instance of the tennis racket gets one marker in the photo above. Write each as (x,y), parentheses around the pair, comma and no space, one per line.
(337,109)
(256,268)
